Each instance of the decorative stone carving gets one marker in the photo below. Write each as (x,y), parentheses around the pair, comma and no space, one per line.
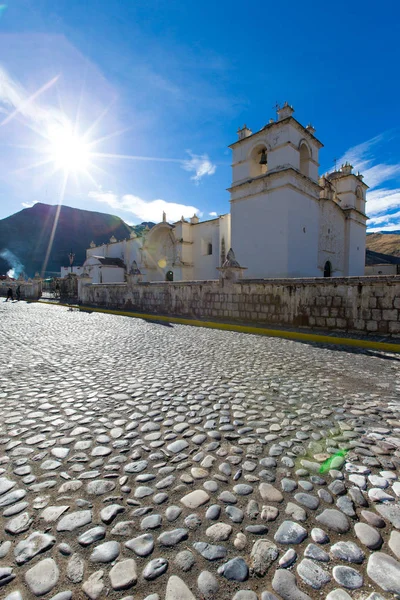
(244,132)
(231,269)
(134,270)
(135,273)
(230,260)
(223,250)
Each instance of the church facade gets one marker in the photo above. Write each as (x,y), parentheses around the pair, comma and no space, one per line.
(285,221)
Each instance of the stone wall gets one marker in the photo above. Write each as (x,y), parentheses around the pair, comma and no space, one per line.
(69,286)
(30,290)
(361,304)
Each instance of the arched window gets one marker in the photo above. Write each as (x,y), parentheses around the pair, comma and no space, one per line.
(328,269)
(304,159)
(258,161)
(169,276)
(359,198)
(209,248)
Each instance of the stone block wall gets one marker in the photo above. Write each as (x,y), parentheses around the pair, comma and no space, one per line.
(30,290)
(360,304)
(69,286)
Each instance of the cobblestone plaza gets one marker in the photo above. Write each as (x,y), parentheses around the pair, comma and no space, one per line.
(146,461)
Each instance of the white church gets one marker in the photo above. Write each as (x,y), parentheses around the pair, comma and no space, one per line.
(285,221)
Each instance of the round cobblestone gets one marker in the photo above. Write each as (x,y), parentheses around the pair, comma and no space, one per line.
(180,461)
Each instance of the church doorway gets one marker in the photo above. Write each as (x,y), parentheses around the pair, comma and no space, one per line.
(328,269)
(169,276)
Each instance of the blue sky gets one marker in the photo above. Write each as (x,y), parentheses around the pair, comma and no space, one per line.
(158,89)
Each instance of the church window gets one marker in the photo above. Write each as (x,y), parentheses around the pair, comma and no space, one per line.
(206,247)
(328,269)
(169,276)
(359,198)
(304,160)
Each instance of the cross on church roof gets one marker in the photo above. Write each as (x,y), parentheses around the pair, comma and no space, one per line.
(276,106)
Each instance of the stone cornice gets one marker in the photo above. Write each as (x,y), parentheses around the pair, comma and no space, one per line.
(352,209)
(273,125)
(271,175)
(339,175)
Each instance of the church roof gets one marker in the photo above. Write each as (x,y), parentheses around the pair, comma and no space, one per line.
(110,262)
(377,258)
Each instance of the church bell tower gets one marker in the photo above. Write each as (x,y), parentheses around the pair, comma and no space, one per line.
(274,198)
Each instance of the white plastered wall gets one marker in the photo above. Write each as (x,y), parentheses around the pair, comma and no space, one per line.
(381,270)
(112,274)
(355,242)
(331,245)
(205,265)
(259,227)
(303,232)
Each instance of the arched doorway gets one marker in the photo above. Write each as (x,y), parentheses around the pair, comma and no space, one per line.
(328,269)
(169,276)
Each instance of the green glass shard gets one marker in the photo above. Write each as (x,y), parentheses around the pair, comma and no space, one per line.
(326,465)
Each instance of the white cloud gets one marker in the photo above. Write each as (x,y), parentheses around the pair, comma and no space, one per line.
(213,214)
(378,174)
(391,227)
(386,219)
(382,200)
(14,100)
(363,159)
(28,204)
(360,155)
(200,165)
(379,203)
(143,210)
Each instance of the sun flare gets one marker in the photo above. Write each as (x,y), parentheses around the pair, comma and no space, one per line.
(67,150)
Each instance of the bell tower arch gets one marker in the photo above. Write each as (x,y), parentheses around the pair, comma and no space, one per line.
(258,160)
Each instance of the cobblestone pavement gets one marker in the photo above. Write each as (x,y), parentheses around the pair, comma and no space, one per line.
(143,461)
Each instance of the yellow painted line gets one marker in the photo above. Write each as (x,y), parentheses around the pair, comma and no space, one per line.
(290,335)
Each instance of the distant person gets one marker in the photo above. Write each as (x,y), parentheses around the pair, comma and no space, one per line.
(9,294)
(18,293)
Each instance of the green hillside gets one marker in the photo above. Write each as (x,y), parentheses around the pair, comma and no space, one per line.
(26,237)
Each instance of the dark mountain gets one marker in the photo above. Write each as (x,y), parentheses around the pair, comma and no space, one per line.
(25,237)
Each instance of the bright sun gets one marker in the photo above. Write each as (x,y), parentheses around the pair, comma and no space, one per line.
(67,150)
